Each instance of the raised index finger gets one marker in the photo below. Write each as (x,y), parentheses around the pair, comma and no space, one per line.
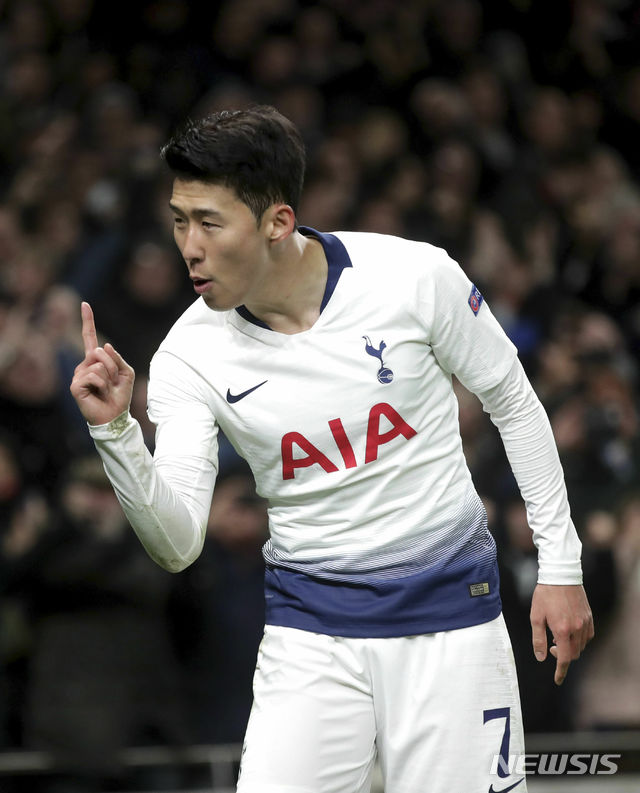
(89,335)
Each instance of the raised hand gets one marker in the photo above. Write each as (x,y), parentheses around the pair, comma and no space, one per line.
(103,383)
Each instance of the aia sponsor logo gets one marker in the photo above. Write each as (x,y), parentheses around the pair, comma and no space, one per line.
(299,452)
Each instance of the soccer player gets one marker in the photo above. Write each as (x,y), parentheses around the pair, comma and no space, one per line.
(327,361)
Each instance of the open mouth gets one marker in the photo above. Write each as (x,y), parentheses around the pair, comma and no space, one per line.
(201,285)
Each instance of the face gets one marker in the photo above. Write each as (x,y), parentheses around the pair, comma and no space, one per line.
(224,248)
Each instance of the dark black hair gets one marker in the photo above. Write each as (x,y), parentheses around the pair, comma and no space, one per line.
(257,152)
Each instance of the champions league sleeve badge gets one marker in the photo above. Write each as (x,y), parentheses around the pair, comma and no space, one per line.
(475,299)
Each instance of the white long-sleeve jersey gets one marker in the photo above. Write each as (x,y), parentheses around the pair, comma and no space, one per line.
(351,430)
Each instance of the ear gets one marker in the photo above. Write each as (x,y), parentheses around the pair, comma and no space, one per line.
(280,222)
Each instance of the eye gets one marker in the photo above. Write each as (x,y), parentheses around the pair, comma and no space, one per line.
(207,224)
(178,221)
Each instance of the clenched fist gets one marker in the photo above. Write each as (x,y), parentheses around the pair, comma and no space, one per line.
(103,383)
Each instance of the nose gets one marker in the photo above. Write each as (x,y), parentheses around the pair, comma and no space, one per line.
(191,248)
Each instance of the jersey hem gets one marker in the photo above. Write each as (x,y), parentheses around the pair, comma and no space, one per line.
(386,631)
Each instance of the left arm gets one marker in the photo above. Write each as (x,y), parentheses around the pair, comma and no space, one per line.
(469,342)
(559,600)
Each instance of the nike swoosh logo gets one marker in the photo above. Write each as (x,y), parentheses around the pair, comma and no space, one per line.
(231,398)
(505,789)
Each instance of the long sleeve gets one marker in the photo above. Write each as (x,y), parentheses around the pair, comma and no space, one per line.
(532,453)
(469,343)
(167,497)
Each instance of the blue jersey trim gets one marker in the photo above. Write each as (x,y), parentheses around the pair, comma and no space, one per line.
(337,260)
(429,601)
(246,314)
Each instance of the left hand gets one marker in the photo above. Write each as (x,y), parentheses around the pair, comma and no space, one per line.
(564,609)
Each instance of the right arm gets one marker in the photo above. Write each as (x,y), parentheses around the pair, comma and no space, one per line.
(165,498)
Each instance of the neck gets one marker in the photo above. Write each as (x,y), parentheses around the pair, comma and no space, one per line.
(291,302)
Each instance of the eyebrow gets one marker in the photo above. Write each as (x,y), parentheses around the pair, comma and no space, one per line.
(196,213)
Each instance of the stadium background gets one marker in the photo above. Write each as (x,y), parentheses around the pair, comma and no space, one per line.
(506,132)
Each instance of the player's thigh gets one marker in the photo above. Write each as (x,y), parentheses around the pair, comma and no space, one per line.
(312,725)
(450,713)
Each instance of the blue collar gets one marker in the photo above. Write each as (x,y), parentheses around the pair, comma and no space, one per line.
(337,260)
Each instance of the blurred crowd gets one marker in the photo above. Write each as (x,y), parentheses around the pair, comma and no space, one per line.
(506,132)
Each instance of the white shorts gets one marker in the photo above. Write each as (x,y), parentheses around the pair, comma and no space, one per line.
(441,712)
